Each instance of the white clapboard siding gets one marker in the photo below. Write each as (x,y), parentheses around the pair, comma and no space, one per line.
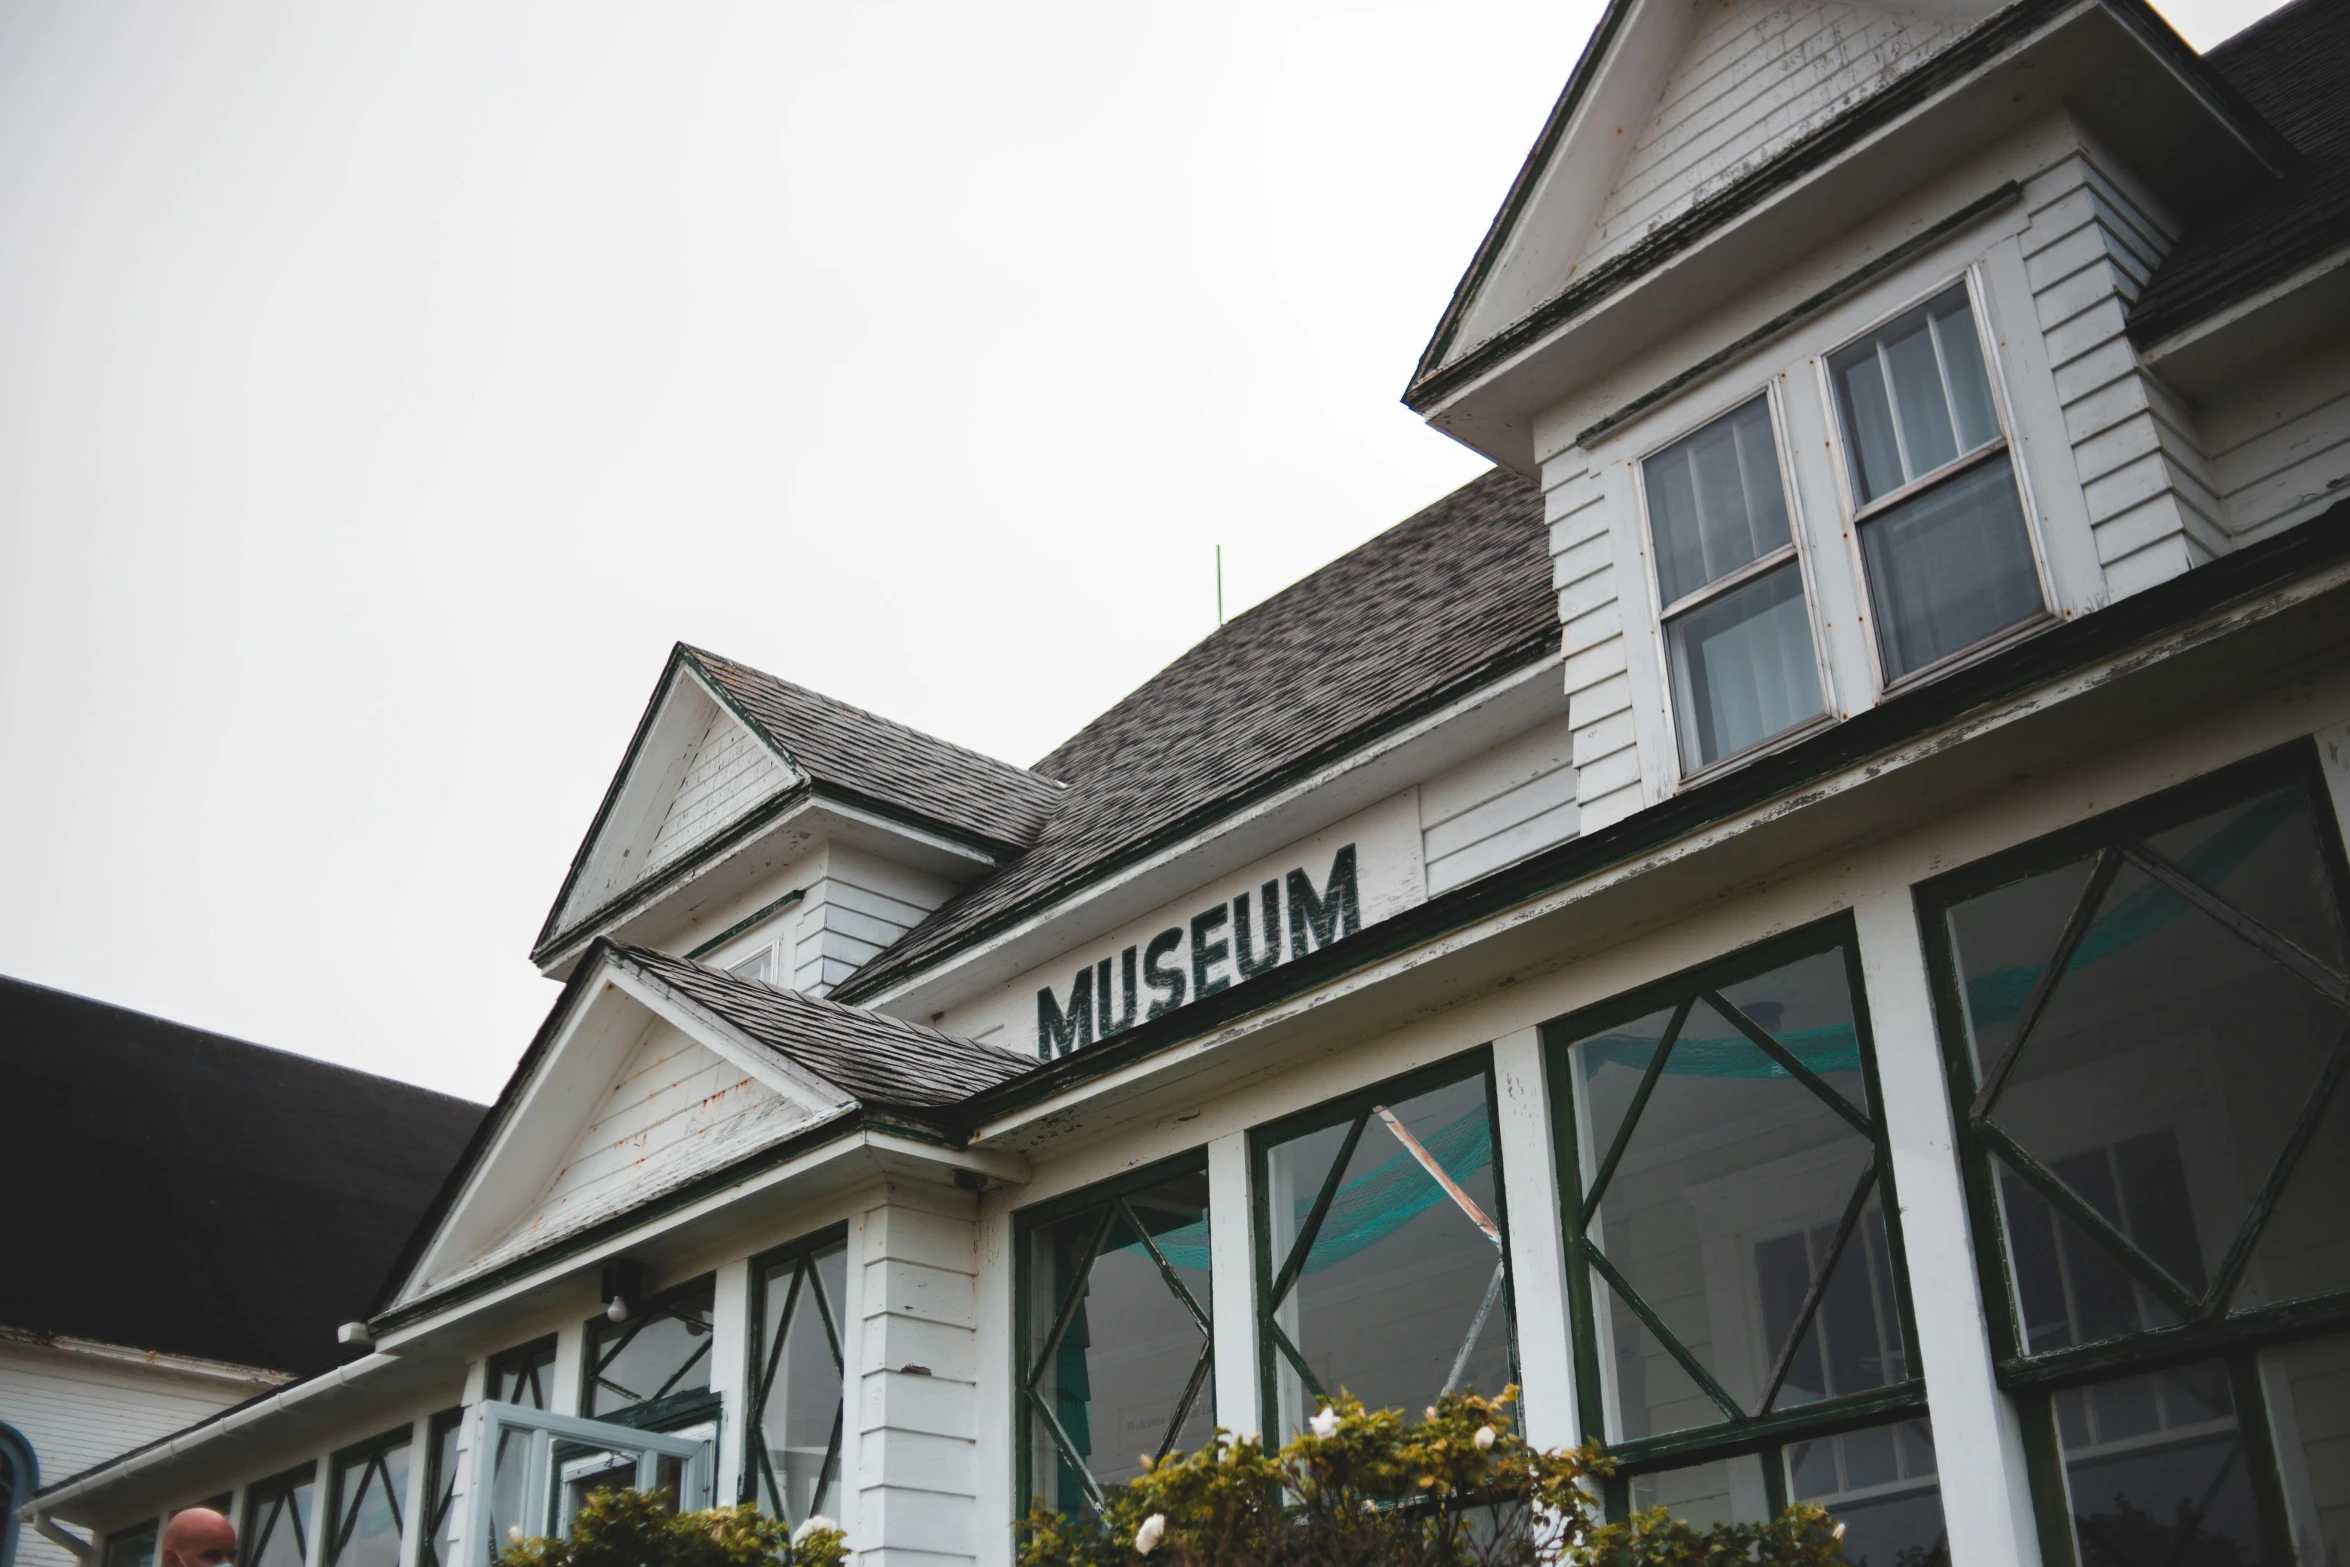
(917,1379)
(854,911)
(730,772)
(78,1411)
(675,1110)
(1599,691)
(2151,494)
(1755,76)
(2289,456)
(1500,807)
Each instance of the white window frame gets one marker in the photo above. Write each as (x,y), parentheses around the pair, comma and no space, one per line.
(1855,514)
(541,1427)
(1798,542)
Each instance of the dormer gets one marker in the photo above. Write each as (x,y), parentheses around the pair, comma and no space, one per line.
(763,827)
(1818,322)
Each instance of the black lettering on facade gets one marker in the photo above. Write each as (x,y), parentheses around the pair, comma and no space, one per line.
(1168,982)
(1337,912)
(1101,988)
(1206,954)
(1058,1032)
(1243,936)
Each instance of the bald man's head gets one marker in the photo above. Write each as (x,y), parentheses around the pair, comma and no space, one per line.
(199,1537)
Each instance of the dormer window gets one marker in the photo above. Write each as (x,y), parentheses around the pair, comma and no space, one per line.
(1942,536)
(1737,627)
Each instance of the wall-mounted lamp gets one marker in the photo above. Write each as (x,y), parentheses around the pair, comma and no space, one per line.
(624,1286)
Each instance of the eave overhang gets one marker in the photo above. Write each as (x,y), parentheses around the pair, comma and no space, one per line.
(2112,64)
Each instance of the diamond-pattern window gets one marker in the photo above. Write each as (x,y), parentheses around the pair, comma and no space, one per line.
(277,1520)
(1384,1266)
(795,1441)
(369,1494)
(440,1490)
(662,1352)
(1117,1345)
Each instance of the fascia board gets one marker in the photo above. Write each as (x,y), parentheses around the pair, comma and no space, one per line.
(802,1087)
(1353,782)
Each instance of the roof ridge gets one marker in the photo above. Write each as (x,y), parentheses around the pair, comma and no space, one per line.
(705,656)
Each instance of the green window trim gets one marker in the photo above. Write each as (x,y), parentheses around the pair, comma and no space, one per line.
(765,1361)
(1767,1430)
(2206,1330)
(348,1475)
(1110,1199)
(532,1366)
(691,1304)
(274,1503)
(1275,1279)
(440,1484)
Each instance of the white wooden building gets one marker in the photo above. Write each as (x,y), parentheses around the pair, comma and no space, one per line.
(1800,919)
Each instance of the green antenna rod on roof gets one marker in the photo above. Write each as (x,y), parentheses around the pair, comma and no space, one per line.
(1219,584)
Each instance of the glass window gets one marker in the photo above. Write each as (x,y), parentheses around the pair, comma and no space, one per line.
(2152,1015)
(369,1489)
(522,1377)
(1737,629)
(1738,1247)
(136,1547)
(1117,1351)
(1384,1268)
(277,1520)
(760,966)
(440,1489)
(662,1352)
(798,1377)
(1949,563)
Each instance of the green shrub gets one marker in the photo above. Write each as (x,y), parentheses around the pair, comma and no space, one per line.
(636,1529)
(1369,1489)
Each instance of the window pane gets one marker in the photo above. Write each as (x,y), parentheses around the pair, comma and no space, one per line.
(1920,409)
(1114,1350)
(1962,363)
(133,1548)
(800,1417)
(1949,568)
(1743,668)
(662,1351)
(2156,1472)
(1880,1484)
(2307,1387)
(760,966)
(1401,1293)
(277,1523)
(520,1376)
(1728,1490)
(1914,396)
(1725,1202)
(2166,1076)
(1859,378)
(440,1489)
(1715,501)
(370,1491)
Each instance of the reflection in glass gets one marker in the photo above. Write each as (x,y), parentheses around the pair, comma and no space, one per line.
(277,1521)
(2307,1389)
(799,1393)
(1880,1484)
(2156,1471)
(1715,502)
(1727,1490)
(1733,1198)
(1390,1281)
(662,1350)
(2174,1065)
(1118,1352)
(370,1490)
(1949,568)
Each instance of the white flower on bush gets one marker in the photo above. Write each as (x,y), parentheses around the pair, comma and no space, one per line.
(514,1533)
(1325,1424)
(1146,1538)
(816,1523)
(1484,1439)
(1839,1531)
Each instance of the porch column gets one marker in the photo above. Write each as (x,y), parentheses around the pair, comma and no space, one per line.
(917,1372)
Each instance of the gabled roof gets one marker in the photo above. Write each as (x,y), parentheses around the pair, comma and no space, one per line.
(2294,68)
(224,1201)
(875,1059)
(1436,605)
(808,746)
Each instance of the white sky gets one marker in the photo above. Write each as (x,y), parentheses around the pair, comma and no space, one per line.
(383,388)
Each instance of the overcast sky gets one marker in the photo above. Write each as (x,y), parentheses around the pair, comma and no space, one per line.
(384,387)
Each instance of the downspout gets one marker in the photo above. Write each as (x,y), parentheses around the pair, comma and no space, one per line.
(57,1534)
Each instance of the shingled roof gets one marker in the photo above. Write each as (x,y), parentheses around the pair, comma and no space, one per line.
(198,1195)
(878,1060)
(849,748)
(2293,67)
(1436,605)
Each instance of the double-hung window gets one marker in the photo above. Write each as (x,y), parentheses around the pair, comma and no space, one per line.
(2147,1020)
(1738,635)
(1943,541)
(1735,1284)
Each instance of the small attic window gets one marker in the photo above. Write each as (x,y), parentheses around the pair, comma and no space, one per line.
(759,966)
(1942,536)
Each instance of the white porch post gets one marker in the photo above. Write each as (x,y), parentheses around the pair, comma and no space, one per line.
(1232,1285)
(1546,1340)
(1978,1441)
(730,1376)
(917,1380)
